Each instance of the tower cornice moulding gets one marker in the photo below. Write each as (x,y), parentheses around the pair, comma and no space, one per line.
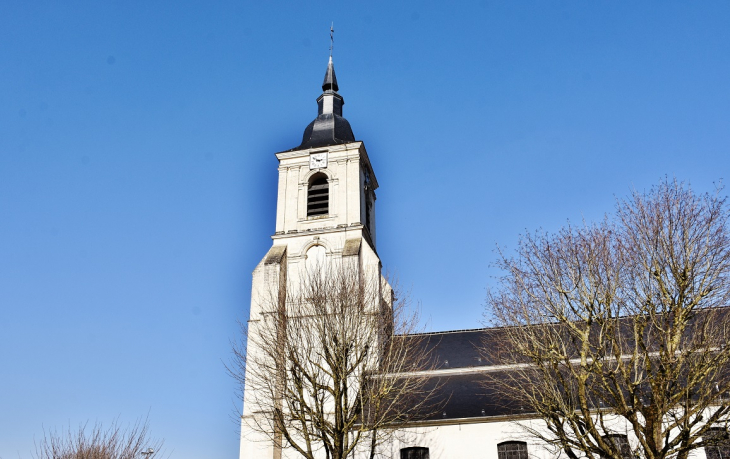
(307,151)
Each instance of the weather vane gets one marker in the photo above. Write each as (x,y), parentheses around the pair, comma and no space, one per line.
(332,37)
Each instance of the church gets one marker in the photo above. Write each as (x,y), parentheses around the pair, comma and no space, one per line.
(326,211)
(326,214)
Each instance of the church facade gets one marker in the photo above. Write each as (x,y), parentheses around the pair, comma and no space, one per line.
(326,214)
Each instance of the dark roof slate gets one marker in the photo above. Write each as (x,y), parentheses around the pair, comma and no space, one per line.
(465,396)
(460,349)
(329,127)
(330,79)
(469,396)
(464,391)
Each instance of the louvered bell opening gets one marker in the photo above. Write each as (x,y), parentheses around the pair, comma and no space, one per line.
(318,198)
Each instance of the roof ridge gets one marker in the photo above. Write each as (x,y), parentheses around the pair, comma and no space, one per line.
(445,332)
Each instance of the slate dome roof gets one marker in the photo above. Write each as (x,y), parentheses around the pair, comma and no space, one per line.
(329,128)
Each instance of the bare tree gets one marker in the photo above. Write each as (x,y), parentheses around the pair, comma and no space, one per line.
(329,371)
(621,327)
(99,443)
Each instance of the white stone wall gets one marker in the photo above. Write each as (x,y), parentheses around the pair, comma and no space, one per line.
(462,440)
(467,439)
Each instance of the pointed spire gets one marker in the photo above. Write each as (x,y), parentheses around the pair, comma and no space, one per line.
(330,79)
(329,128)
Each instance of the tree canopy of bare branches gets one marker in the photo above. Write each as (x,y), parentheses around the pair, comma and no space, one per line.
(324,368)
(96,442)
(621,327)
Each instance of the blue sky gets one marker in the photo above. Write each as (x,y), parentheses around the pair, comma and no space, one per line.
(138,181)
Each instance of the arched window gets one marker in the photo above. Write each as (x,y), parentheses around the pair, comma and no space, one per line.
(512,450)
(414,452)
(718,443)
(318,196)
(621,443)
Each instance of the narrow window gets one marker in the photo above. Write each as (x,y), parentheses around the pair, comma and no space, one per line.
(318,196)
(717,443)
(414,452)
(368,209)
(621,443)
(512,450)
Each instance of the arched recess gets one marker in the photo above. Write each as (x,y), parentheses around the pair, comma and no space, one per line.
(316,241)
(315,258)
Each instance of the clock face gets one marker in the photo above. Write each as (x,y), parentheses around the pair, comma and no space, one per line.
(318,160)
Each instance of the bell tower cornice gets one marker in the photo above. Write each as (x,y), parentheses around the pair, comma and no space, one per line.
(343,152)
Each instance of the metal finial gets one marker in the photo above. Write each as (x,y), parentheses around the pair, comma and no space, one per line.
(332,38)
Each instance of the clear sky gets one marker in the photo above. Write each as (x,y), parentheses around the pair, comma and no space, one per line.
(138,177)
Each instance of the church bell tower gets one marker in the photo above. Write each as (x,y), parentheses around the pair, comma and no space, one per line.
(325,216)
(326,194)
